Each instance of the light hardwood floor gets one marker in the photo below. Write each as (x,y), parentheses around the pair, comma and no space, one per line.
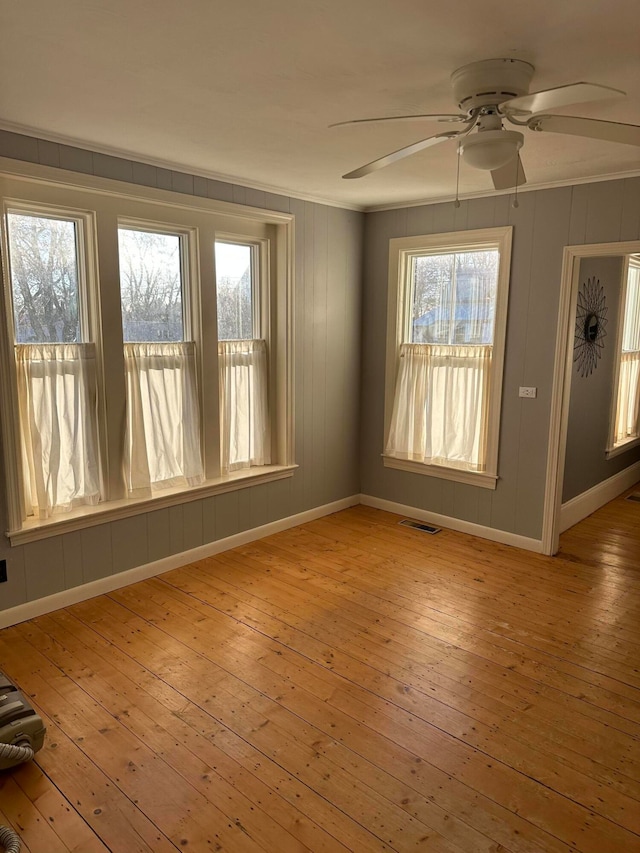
(345,685)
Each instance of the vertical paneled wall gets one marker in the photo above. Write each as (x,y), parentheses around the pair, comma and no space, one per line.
(544,223)
(327,389)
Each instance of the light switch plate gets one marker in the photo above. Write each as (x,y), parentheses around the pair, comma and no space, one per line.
(527,391)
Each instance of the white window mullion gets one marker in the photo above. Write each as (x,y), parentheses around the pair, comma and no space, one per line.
(105,303)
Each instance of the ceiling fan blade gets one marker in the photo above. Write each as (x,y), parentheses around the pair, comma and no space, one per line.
(551,99)
(401,153)
(510,175)
(609,131)
(437,117)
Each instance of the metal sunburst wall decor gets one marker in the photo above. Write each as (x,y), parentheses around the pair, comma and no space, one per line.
(591,320)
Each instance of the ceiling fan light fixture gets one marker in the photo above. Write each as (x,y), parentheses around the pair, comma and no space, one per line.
(491,149)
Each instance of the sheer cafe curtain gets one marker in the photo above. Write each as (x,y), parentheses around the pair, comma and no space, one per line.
(59,436)
(245,438)
(162,441)
(628,409)
(440,406)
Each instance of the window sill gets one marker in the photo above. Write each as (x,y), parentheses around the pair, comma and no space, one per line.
(630,443)
(82,517)
(472,478)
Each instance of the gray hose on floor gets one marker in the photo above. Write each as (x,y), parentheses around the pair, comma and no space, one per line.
(9,841)
(10,755)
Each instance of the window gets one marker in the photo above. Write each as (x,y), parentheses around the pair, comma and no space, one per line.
(448,298)
(162,433)
(625,421)
(245,437)
(238,317)
(54,363)
(146,350)
(151,273)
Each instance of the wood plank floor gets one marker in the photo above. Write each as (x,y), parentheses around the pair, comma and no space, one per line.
(345,685)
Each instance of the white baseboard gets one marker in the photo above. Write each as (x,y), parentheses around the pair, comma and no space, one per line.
(583,505)
(40,606)
(458,524)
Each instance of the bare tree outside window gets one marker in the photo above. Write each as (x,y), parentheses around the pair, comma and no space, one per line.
(150,286)
(234,291)
(44,279)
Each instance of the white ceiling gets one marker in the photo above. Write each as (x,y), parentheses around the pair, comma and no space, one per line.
(245,89)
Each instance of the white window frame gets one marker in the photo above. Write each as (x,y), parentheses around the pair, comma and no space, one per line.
(103,205)
(615,449)
(401,252)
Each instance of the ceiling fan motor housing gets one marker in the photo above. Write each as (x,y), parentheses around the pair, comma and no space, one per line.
(491,149)
(490,82)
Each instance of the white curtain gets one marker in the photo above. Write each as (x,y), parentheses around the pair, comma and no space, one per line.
(162,441)
(628,408)
(440,406)
(57,402)
(245,436)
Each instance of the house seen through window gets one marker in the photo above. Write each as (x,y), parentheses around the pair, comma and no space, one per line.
(453,298)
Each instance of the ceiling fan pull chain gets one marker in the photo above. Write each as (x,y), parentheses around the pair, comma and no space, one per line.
(516,203)
(456,203)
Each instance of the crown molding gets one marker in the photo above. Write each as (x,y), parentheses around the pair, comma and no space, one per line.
(137,157)
(528,188)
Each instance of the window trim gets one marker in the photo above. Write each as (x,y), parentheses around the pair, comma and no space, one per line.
(47,187)
(401,251)
(614,449)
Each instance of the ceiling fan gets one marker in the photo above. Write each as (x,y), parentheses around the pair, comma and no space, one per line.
(490,92)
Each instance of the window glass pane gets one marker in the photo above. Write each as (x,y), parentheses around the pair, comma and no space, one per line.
(432,295)
(631,327)
(150,286)
(44,279)
(235,292)
(454,297)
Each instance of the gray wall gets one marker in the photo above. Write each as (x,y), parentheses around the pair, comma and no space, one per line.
(591,396)
(327,388)
(545,222)
(330,385)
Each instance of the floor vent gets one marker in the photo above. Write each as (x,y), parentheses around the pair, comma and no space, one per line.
(634,497)
(419,525)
